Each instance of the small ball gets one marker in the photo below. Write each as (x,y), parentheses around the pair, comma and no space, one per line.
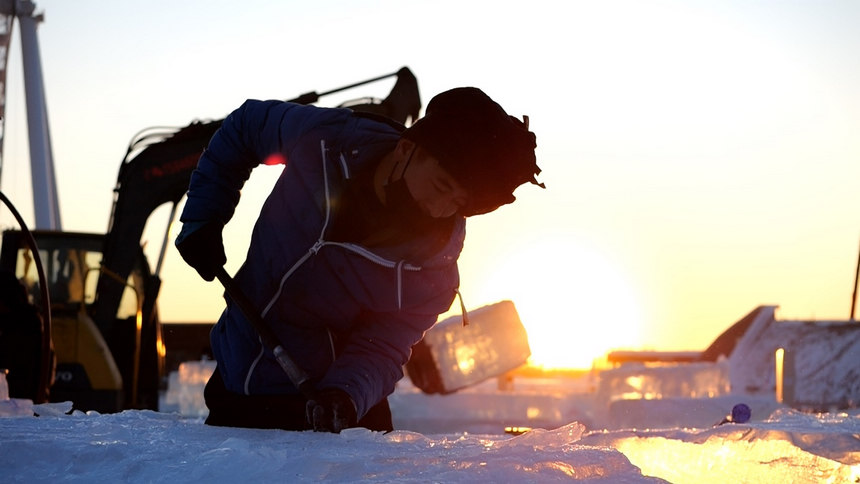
(741,413)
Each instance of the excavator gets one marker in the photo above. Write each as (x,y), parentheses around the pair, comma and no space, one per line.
(103,324)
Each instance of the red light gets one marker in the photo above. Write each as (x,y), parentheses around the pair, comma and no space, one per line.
(275,159)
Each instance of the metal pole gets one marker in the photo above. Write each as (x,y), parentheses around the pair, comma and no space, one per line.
(313,96)
(854,295)
(45,198)
(6,20)
(166,240)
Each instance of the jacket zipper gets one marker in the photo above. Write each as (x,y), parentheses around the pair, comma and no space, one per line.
(355,248)
(319,244)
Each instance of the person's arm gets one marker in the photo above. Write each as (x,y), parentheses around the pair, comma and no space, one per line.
(257,132)
(249,136)
(372,360)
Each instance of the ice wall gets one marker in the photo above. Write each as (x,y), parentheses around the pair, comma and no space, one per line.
(686,380)
(822,362)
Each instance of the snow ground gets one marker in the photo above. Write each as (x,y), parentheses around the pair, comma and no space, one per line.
(452,438)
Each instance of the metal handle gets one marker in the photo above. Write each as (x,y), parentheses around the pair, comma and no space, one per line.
(297,375)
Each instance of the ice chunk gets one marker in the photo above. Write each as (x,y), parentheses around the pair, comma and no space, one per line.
(16,407)
(53,409)
(185,388)
(453,356)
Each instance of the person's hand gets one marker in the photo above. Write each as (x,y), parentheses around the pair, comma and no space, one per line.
(331,411)
(202,247)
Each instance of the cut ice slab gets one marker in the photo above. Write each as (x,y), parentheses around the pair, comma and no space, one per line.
(454,355)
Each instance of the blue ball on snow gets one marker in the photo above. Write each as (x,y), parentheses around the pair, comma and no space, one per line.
(741,413)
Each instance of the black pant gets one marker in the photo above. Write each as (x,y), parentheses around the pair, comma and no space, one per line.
(287,412)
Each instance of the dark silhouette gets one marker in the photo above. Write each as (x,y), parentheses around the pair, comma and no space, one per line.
(20,338)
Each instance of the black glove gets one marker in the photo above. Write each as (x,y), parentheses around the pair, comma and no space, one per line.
(202,247)
(331,411)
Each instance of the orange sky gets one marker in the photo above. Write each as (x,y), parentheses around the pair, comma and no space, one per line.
(701,158)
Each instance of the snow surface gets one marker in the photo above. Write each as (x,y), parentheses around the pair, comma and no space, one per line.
(453,438)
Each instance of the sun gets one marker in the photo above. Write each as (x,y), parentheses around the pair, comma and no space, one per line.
(575,303)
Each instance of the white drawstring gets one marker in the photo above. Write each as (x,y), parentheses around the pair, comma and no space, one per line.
(251,369)
(462,307)
(400,285)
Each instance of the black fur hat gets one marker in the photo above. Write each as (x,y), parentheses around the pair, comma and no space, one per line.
(489,152)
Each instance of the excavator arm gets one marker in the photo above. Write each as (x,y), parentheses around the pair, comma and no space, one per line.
(148,178)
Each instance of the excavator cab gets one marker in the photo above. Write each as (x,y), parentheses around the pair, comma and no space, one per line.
(105,371)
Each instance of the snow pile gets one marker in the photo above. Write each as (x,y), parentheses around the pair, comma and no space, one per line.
(146,446)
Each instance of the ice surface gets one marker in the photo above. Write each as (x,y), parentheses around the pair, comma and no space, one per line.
(633,441)
(145,446)
(788,447)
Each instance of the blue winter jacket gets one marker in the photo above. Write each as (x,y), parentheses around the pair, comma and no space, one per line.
(346,314)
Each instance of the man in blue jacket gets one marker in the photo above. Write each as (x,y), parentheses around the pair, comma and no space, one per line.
(354,254)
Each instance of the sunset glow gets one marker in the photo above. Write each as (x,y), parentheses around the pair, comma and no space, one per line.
(574,303)
(700,158)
